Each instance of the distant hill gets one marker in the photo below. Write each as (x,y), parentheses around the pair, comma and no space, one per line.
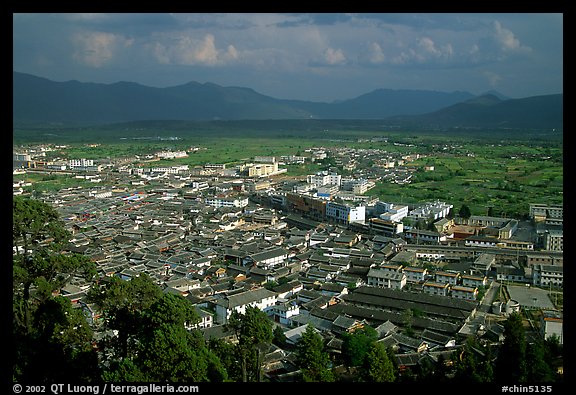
(38,100)
(489,111)
(383,103)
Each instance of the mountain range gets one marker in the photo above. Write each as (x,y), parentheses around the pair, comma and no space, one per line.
(39,100)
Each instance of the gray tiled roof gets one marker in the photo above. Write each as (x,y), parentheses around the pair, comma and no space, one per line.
(245,298)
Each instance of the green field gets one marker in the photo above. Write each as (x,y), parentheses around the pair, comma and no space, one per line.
(504,187)
(489,171)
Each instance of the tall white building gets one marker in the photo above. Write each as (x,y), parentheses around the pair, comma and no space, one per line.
(324,178)
(392,212)
(80,163)
(227,201)
(434,210)
(344,213)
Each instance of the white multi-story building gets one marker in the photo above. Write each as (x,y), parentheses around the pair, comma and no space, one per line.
(170,170)
(386,279)
(391,212)
(434,210)
(447,277)
(80,163)
(463,292)
(84,165)
(21,157)
(415,273)
(358,186)
(227,201)
(547,275)
(199,185)
(268,259)
(290,159)
(171,154)
(469,280)
(283,312)
(543,212)
(344,213)
(324,178)
(261,298)
(436,288)
(554,240)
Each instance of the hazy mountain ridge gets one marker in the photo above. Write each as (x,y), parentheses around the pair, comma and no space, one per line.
(534,112)
(39,100)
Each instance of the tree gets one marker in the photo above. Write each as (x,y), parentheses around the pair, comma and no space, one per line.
(164,350)
(123,370)
(279,337)
(168,353)
(539,370)
(228,355)
(511,361)
(123,304)
(39,266)
(473,363)
(33,223)
(36,277)
(253,330)
(465,212)
(46,327)
(58,346)
(312,357)
(377,366)
(407,319)
(490,212)
(355,345)
(440,370)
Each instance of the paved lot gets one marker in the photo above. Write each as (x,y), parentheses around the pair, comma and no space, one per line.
(530,297)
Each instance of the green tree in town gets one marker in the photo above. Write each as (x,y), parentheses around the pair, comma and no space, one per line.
(38,266)
(42,321)
(553,351)
(473,363)
(312,358)
(253,330)
(59,345)
(511,361)
(539,370)
(36,226)
(122,305)
(355,345)
(169,351)
(279,337)
(432,371)
(164,349)
(408,319)
(229,356)
(377,366)
(464,212)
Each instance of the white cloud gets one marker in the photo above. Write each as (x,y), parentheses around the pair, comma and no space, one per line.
(507,40)
(376,54)
(185,49)
(428,46)
(334,56)
(95,49)
(206,52)
(425,51)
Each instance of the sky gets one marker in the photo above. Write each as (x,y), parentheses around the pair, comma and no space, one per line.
(321,57)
